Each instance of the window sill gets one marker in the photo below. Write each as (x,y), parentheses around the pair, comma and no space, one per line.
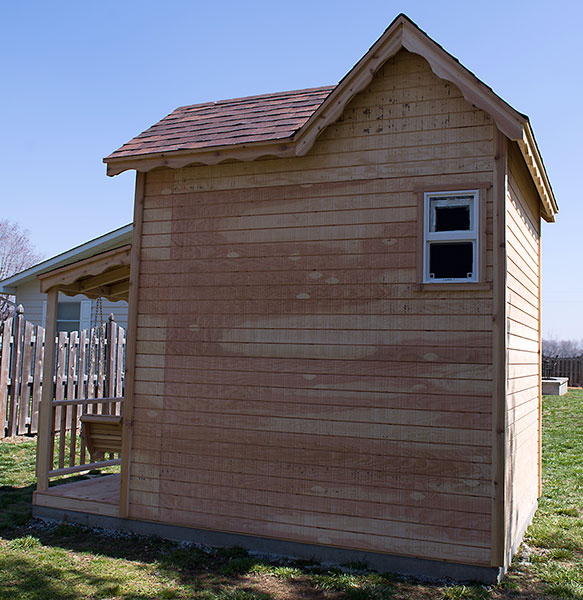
(441,286)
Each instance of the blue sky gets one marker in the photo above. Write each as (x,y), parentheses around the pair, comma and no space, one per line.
(81,78)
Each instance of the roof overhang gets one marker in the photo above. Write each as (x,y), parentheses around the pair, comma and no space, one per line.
(206,156)
(105,275)
(402,33)
(534,162)
(113,239)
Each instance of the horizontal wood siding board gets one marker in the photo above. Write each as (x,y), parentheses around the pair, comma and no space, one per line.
(378,352)
(286,441)
(297,407)
(307,491)
(294,474)
(183,189)
(272,516)
(177,410)
(321,536)
(414,400)
(319,503)
(331,292)
(463,388)
(411,306)
(181,423)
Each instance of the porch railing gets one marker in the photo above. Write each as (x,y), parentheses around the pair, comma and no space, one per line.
(88,363)
(68,452)
(78,380)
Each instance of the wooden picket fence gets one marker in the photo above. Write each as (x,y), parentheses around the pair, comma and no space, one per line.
(89,364)
(571,367)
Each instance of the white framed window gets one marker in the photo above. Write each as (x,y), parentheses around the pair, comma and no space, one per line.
(451,236)
(68,316)
(72,315)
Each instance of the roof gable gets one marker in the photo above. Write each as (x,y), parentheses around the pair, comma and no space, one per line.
(403,33)
(264,125)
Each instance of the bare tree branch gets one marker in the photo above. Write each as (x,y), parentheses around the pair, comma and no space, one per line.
(562,348)
(16,254)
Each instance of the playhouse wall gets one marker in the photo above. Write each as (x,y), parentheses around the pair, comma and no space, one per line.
(523,343)
(293,380)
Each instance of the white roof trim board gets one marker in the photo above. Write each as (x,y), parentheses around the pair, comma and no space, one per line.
(109,241)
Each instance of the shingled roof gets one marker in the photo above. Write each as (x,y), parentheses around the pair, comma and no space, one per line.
(227,122)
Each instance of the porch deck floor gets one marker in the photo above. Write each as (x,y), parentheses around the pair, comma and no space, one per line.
(99,495)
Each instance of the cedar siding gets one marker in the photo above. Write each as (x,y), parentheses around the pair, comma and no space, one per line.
(293,380)
(523,334)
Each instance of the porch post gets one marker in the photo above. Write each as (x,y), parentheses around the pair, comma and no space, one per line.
(44,457)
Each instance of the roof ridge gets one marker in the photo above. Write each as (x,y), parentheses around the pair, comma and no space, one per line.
(322,88)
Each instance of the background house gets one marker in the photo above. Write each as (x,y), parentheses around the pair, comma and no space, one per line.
(334,328)
(77,312)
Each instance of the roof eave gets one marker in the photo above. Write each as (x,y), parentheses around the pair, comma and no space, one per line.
(536,167)
(10,284)
(280,148)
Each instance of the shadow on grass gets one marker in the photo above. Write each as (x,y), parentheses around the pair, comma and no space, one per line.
(23,577)
(15,506)
(56,566)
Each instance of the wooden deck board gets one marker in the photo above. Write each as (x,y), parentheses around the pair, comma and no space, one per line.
(97,496)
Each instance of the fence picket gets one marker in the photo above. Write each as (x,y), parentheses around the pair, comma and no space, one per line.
(89,364)
(571,367)
(72,370)
(82,384)
(120,363)
(4,371)
(15,370)
(101,393)
(110,355)
(61,411)
(93,352)
(39,351)
(24,399)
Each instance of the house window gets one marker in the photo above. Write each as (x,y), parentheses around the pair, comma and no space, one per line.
(68,316)
(72,315)
(451,236)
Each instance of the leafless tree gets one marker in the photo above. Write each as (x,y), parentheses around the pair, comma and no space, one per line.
(562,348)
(16,254)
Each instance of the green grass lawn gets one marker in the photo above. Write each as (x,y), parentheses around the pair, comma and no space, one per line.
(40,562)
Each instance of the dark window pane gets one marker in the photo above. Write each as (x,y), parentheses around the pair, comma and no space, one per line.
(68,311)
(451,261)
(452,218)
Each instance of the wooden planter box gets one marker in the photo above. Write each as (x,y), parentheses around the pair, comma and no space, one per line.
(555,386)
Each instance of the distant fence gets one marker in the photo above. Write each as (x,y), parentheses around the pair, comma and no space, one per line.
(89,364)
(571,367)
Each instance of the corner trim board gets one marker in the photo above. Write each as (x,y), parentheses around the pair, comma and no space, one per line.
(128,404)
(498,546)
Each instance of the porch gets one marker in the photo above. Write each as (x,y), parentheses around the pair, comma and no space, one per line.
(81,425)
(98,496)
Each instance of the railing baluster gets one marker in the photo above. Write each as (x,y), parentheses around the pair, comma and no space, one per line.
(71,376)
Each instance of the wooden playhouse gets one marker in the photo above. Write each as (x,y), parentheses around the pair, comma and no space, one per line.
(334,338)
